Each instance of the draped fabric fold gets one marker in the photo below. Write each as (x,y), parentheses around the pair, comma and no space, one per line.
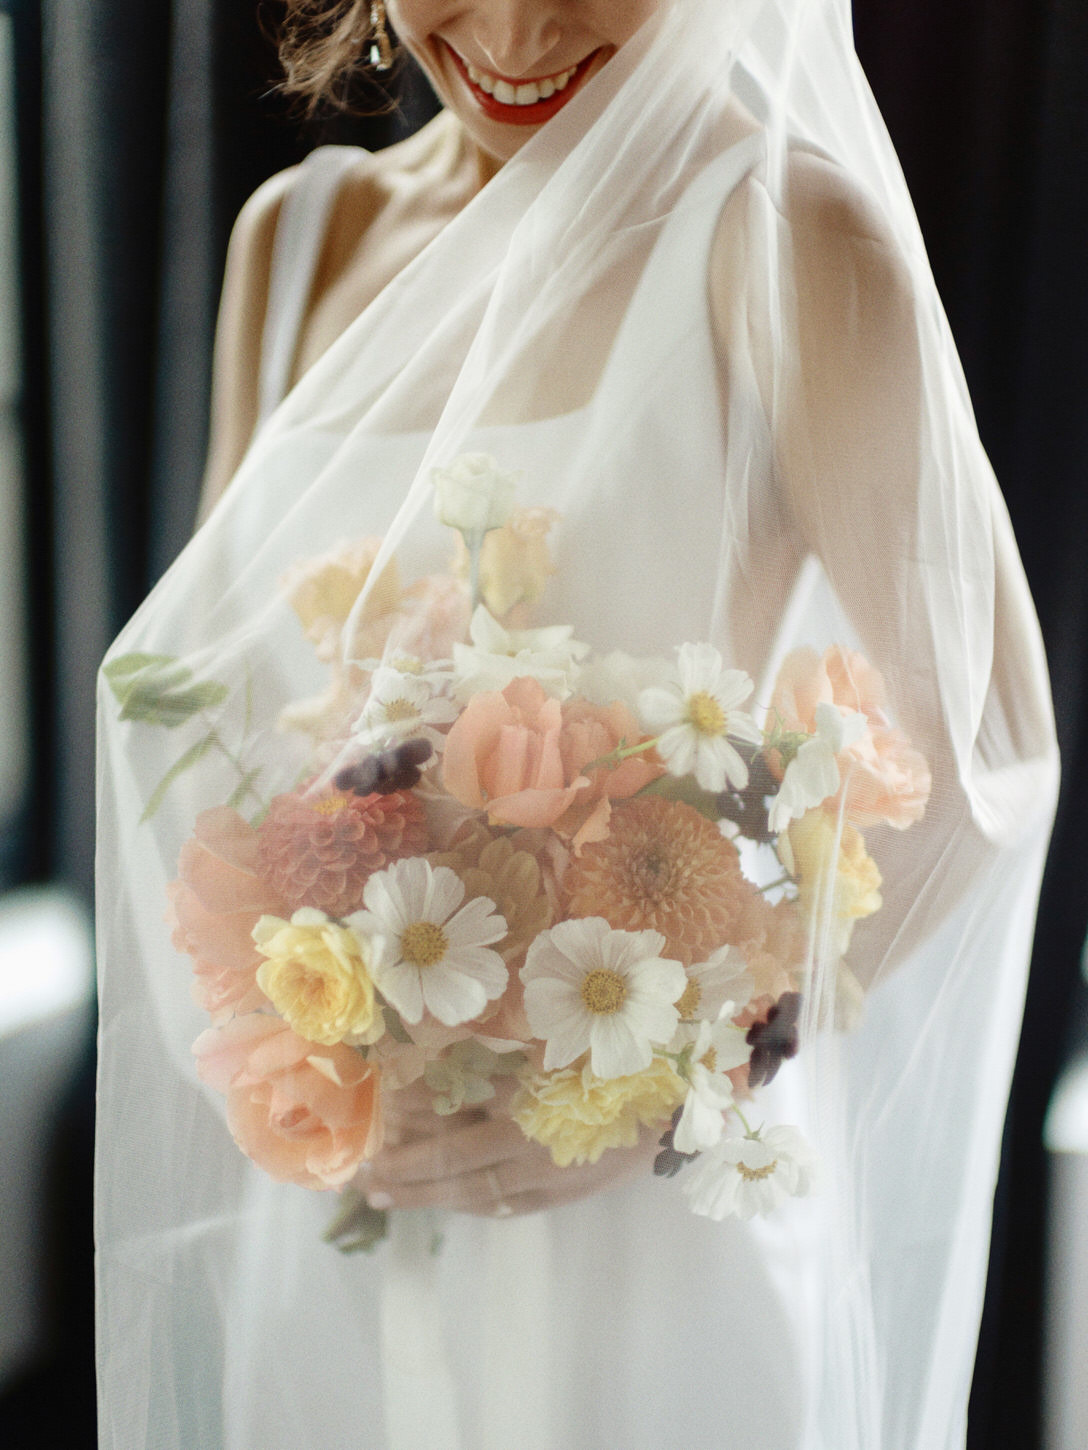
(693,316)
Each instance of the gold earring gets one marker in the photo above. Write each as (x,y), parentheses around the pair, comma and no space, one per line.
(381,51)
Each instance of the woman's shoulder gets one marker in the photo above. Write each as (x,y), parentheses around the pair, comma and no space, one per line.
(363,233)
(845,258)
(366,181)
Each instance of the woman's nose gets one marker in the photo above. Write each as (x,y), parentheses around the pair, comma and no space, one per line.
(516,35)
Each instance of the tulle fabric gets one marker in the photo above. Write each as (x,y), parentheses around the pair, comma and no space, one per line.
(562,324)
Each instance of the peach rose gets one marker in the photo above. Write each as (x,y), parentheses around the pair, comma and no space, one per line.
(886,778)
(503,755)
(214,906)
(590,731)
(521,756)
(305,1114)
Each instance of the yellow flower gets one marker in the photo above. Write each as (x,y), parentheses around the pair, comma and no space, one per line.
(316,978)
(577,1116)
(323,591)
(857,878)
(515,561)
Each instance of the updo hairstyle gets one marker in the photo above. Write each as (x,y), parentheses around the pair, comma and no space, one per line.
(323,47)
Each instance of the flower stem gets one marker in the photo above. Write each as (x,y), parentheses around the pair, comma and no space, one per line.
(243,773)
(774,885)
(474,542)
(748,1133)
(621,753)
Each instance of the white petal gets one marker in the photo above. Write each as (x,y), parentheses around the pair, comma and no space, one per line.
(476,924)
(657,978)
(442,893)
(486,966)
(550,1001)
(451,997)
(649,1018)
(700,665)
(710,1186)
(678,748)
(400,986)
(614,1050)
(625,950)
(385,901)
(742,727)
(659,708)
(817,770)
(566,1040)
(701,1125)
(731,689)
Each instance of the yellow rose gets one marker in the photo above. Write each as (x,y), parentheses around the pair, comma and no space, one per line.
(515,561)
(577,1116)
(323,591)
(857,878)
(316,978)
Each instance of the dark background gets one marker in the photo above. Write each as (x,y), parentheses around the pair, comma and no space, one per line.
(144,124)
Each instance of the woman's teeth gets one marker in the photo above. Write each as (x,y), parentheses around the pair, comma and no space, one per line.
(526,94)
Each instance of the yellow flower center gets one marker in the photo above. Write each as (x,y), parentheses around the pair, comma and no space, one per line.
(408,665)
(706,714)
(332,805)
(400,709)
(687,1004)
(753,1175)
(423,943)
(709,1059)
(603,991)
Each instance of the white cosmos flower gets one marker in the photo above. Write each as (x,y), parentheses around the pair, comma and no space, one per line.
(740,1177)
(696,714)
(722,978)
(611,993)
(812,776)
(436,673)
(473,494)
(717,1048)
(432,955)
(402,706)
(497,655)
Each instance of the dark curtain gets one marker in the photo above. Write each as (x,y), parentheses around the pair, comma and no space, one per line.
(987,101)
(144,125)
(156,123)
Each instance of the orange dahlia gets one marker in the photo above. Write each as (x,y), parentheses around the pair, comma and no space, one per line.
(318,850)
(666,867)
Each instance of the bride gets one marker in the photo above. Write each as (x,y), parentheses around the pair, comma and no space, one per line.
(655,256)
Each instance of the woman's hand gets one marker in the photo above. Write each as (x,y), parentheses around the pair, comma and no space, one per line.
(480,1162)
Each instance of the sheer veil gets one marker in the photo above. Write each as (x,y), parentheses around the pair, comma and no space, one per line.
(694,314)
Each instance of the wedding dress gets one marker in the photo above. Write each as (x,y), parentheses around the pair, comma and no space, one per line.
(561,324)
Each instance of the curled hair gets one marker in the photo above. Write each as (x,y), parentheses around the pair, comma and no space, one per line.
(322,45)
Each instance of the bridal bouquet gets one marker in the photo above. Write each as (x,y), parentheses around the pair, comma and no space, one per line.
(580,889)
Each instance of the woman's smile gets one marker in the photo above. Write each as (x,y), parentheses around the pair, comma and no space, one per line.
(521,101)
(505,67)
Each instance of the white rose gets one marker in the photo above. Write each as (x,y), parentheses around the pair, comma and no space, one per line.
(473,494)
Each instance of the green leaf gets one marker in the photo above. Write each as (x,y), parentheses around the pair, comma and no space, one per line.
(686,789)
(189,759)
(147,700)
(157,674)
(131,664)
(393,1025)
